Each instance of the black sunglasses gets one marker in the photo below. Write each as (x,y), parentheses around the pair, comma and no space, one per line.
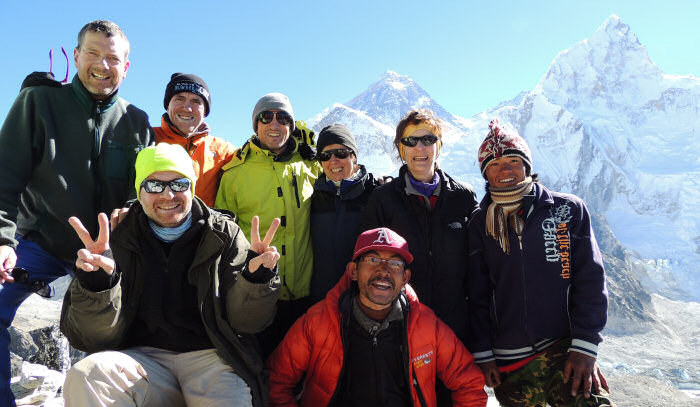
(427,140)
(153,186)
(338,152)
(282,117)
(21,276)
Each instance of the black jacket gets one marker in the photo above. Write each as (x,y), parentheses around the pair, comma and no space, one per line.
(375,365)
(437,239)
(232,306)
(335,226)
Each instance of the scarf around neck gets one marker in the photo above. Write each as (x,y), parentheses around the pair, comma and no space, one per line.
(169,235)
(503,210)
(425,188)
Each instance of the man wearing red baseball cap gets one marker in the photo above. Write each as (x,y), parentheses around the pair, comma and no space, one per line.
(371,342)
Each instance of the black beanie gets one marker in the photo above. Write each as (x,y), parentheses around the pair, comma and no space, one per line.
(187,82)
(336,134)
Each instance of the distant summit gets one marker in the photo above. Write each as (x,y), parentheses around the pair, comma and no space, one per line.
(391,97)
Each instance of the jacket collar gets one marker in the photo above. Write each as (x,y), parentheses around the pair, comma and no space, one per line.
(85,99)
(338,299)
(174,135)
(446,182)
(353,191)
(253,146)
(136,222)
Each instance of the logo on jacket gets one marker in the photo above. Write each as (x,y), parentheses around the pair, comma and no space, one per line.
(557,241)
(455,225)
(422,360)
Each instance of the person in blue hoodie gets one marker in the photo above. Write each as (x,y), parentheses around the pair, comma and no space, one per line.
(538,300)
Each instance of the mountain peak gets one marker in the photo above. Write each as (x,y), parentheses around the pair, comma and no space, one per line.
(392,96)
(603,70)
(395,80)
(612,21)
(389,74)
(614,30)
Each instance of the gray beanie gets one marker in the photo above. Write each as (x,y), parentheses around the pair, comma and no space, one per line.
(273,101)
(336,134)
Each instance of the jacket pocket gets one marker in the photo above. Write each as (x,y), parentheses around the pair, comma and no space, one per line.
(119,159)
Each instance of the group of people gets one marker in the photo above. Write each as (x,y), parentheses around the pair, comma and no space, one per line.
(364,291)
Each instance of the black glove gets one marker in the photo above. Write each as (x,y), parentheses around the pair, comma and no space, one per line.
(306,139)
(37,78)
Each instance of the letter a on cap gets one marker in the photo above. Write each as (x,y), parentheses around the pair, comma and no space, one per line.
(382,239)
(383,236)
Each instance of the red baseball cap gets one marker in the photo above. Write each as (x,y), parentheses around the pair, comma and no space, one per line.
(382,239)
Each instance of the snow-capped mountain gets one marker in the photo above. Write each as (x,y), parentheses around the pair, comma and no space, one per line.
(604,122)
(374,139)
(373,115)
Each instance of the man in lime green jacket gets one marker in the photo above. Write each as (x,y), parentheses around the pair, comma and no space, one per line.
(272,176)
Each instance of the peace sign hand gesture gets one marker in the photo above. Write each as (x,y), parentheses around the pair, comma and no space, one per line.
(90,258)
(268,255)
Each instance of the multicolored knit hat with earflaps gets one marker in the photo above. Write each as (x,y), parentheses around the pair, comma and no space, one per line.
(502,142)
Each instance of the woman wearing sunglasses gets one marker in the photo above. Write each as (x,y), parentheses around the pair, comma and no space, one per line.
(340,196)
(431,211)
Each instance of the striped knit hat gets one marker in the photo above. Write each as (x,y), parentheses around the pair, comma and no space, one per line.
(502,142)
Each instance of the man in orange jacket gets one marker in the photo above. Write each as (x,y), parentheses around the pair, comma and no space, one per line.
(187,101)
(371,342)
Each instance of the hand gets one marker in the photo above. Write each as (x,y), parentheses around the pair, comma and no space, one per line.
(8,258)
(268,255)
(599,380)
(90,258)
(116,217)
(384,179)
(580,367)
(491,373)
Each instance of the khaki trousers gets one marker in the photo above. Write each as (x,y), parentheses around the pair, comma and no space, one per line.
(145,376)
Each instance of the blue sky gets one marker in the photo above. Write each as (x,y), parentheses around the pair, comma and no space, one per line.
(468,55)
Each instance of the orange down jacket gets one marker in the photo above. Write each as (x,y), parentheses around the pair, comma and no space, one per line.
(208,154)
(314,345)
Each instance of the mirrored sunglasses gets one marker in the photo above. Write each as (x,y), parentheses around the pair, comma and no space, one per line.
(427,140)
(21,276)
(153,186)
(282,117)
(338,152)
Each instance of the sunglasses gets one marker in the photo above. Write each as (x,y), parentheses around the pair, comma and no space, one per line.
(338,152)
(153,186)
(393,264)
(427,140)
(21,275)
(282,118)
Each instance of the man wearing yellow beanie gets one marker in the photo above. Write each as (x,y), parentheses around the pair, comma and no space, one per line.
(168,305)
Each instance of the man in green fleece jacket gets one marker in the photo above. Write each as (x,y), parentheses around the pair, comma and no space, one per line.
(64,151)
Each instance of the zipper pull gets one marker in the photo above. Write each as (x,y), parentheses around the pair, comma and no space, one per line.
(520,240)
